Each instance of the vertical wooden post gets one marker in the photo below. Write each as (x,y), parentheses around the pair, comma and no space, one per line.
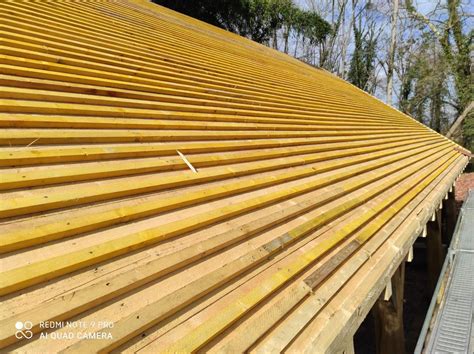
(388,317)
(450,216)
(435,251)
(348,348)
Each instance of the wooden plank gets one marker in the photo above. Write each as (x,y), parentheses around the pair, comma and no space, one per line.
(40,271)
(142,53)
(35,70)
(19,120)
(62,308)
(153,313)
(288,329)
(234,232)
(202,334)
(177,53)
(241,339)
(14,136)
(62,197)
(128,72)
(19,178)
(42,155)
(350,306)
(96,75)
(27,237)
(22,88)
(97,100)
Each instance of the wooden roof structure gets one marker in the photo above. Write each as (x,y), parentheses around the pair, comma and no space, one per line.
(195,189)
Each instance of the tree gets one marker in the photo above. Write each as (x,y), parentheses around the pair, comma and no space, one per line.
(362,62)
(227,14)
(391,53)
(333,50)
(455,43)
(424,82)
(259,20)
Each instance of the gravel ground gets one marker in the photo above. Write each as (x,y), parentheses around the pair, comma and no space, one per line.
(463,185)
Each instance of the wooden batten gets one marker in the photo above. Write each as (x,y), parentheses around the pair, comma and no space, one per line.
(200,191)
(410,255)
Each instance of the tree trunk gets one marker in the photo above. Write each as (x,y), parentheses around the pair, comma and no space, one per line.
(391,52)
(296,44)
(346,40)
(286,35)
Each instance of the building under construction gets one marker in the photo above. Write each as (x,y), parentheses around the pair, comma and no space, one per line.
(167,186)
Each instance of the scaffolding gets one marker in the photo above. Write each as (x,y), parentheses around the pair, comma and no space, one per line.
(449,323)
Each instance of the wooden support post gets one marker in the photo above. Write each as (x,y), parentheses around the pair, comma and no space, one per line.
(348,348)
(450,215)
(388,317)
(434,248)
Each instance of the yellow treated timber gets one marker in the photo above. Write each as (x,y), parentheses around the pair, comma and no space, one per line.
(43,200)
(202,334)
(371,280)
(25,237)
(193,43)
(33,155)
(97,75)
(178,53)
(203,106)
(25,67)
(70,173)
(25,106)
(221,72)
(293,163)
(152,313)
(99,56)
(78,136)
(63,308)
(279,310)
(22,277)
(171,48)
(171,96)
(280,337)
(257,71)
(18,120)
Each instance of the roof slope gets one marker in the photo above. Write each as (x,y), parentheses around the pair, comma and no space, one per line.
(306,187)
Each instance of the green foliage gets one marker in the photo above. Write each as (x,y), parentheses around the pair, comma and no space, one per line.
(423,90)
(459,56)
(363,57)
(313,26)
(225,14)
(255,19)
(468,131)
(456,45)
